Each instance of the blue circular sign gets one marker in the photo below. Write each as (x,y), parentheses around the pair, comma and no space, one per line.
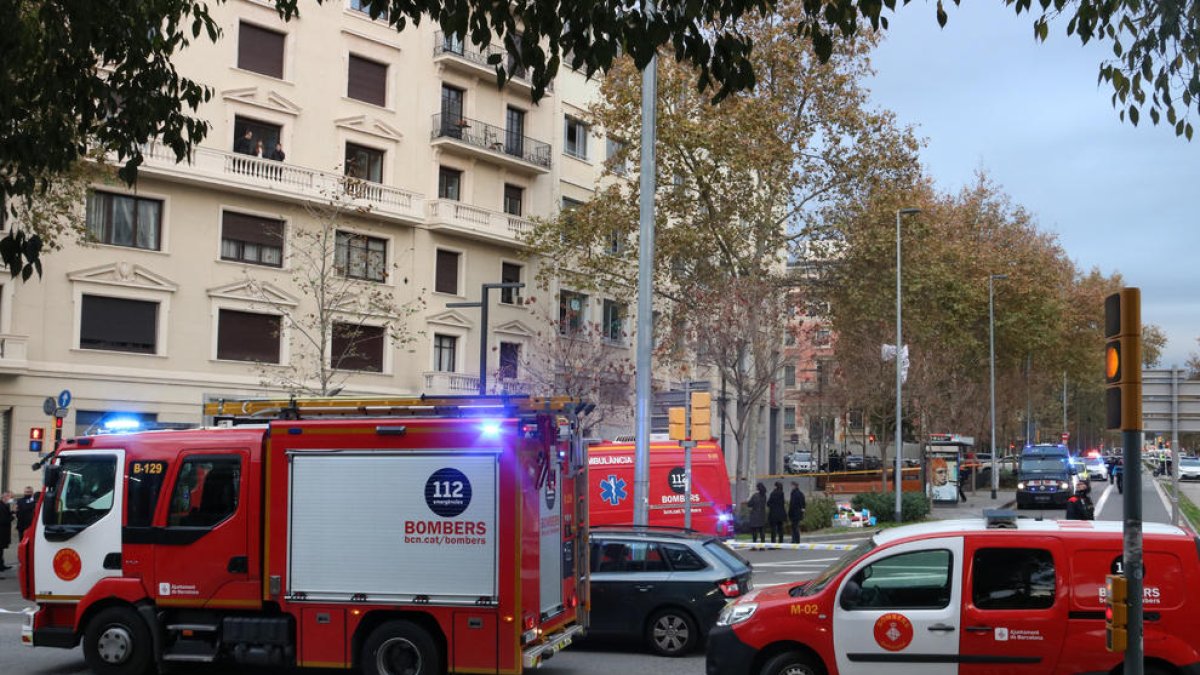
(448,492)
(64,398)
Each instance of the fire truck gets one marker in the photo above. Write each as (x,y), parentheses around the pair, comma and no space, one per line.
(420,535)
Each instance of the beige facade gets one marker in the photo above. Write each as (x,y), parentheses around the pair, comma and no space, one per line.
(330,85)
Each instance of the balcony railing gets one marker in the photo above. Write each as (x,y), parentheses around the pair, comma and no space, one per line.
(457,214)
(462,383)
(445,44)
(13,350)
(283,178)
(491,137)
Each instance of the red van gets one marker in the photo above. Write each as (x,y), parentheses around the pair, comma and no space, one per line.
(610,482)
(968,597)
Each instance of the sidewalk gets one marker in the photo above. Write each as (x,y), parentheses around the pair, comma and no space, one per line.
(976,504)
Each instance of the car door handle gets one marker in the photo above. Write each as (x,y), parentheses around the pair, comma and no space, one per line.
(979,629)
(941,628)
(643,588)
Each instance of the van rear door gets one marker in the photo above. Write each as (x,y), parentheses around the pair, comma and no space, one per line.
(1015,605)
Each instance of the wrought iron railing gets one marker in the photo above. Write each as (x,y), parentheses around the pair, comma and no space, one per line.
(448,44)
(491,137)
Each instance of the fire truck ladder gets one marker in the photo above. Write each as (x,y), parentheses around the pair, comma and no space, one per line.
(258,410)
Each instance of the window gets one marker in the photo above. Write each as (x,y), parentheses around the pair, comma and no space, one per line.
(118,324)
(141,495)
(789,376)
(449,183)
(568,206)
(453,121)
(510,359)
(917,580)
(364,163)
(361,257)
(260,50)
(251,239)
(682,558)
(513,196)
(85,491)
(1013,578)
(514,132)
(453,44)
(248,336)
(367,80)
(446,280)
(206,491)
(361,6)
(575,138)
(571,306)
(124,220)
(266,132)
(613,149)
(789,339)
(614,321)
(634,556)
(357,347)
(510,274)
(445,353)
(789,418)
(822,337)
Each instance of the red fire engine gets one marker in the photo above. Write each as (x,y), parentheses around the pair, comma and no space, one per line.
(396,535)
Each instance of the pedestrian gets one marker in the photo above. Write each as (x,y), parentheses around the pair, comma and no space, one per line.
(1118,472)
(776,513)
(25,507)
(963,476)
(6,525)
(758,513)
(277,153)
(259,150)
(1079,506)
(796,511)
(245,144)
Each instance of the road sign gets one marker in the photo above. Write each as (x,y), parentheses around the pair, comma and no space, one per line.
(49,405)
(60,413)
(64,398)
(1066,436)
(1163,405)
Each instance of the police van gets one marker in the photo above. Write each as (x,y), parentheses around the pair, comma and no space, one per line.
(967,597)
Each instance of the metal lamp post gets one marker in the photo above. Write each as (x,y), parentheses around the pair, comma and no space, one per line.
(483,326)
(899,342)
(992,370)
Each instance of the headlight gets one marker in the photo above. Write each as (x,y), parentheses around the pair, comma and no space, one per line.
(1063,485)
(736,613)
(1020,486)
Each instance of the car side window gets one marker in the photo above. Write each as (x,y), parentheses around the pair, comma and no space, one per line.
(1013,578)
(916,580)
(206,491)
(633,556)
(682,558)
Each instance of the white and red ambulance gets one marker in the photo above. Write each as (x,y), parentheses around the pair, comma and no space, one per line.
(1004,596)
(395,536)
(610,476)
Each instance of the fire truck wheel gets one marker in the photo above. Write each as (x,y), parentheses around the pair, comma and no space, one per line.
(117,642)
(792,663)
(672,632)
(400,648)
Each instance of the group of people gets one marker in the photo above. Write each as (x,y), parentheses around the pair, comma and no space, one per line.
(774,510)
(19,510)
(247,145)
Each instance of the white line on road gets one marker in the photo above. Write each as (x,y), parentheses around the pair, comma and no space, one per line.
(1104,498)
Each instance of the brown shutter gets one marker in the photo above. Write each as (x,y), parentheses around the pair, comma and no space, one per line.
(260,50)
(367,81)
(252,229)
(248,336)
(447,272)
(118,324)
(357,348)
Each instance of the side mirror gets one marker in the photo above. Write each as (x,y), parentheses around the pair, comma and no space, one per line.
(50,479)
(851,594)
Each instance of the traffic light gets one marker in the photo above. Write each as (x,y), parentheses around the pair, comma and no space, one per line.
(1116,613)
(701,416)
(1123,360)
(871,438)
(677,423)
(36,435)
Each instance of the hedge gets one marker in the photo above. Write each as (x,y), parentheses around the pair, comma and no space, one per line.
(914,506)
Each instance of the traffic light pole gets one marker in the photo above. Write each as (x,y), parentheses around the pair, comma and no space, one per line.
(1132,553)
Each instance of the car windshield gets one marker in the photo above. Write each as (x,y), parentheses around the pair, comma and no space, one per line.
(818,583)
(1189,461)
(85,490)
(736,563)
(1095,462)
(1042,465)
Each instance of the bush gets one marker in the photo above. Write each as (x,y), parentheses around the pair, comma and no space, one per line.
(914,506)
(818,514)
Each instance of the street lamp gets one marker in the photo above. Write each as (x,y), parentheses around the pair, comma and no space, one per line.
(483,326)
(992,369)
(899,342)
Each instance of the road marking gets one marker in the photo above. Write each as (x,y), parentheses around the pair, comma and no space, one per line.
(746,546)
(1104,498)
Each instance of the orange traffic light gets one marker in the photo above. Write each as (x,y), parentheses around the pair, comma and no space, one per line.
(1123,360)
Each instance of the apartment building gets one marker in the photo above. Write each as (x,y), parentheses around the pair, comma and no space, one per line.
(185,292)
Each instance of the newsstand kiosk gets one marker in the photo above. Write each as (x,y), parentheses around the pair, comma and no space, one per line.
(944,454)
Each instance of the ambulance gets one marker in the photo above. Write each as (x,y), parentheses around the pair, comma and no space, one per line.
(610,486)
(1002,595)
(414,536)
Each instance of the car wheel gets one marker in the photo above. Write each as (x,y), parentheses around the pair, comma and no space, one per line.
(672,632)
(792,663)
(117,642)
(400,648)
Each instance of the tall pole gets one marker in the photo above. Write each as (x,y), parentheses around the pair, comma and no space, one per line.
(1174,445)
(483,327)
(992,370)
(1066,431)
(899,378)
(641,466)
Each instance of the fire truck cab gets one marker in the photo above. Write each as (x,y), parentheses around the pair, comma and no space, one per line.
(409,535)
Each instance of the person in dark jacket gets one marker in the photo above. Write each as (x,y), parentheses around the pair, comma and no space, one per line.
(25,507)
(758,513)
(776,513)
(796,511)
(1079,506)
(6,525)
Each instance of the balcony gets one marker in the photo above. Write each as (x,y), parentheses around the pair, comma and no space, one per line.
(13,353)
(443,384)
(472,60)
(490,143)
(258,176)
(477,223)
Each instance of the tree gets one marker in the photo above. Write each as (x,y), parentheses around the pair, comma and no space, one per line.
(84,77)
(1153,342)
(1193,364)
(338,323)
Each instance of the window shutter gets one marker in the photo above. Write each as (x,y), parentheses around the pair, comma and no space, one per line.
(367,81)
(260,50)
(118,324)
(248,336)
(447,272)
(357,348)
(252,229)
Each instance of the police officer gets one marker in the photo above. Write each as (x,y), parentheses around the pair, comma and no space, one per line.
(1079,506)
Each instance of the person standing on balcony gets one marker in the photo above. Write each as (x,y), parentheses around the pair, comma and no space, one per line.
(245,144)
(259,150)
(277,153)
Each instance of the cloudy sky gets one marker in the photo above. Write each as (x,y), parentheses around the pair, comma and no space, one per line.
(986,95)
